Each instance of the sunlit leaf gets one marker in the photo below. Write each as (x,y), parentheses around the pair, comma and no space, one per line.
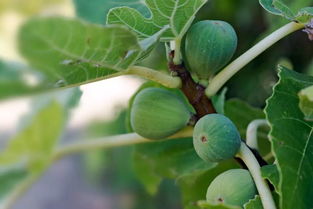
(177,14)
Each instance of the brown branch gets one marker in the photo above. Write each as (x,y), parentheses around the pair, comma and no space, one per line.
(194,92)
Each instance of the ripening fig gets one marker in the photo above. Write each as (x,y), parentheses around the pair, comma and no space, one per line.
(209,45)
(216,138)
(158,113)
(233,187)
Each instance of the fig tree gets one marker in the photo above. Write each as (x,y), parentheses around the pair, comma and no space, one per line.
(233,187)
(216,138)
(158,113)
(209,45)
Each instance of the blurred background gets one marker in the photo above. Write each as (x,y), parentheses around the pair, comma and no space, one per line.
(105,179)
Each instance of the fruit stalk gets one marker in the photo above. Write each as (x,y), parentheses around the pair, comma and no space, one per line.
(111,141)
(264,191)
(153,75)
(222,77)
(252,132)
(194,92)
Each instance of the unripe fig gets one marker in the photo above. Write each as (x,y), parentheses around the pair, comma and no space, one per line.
(216,138)
(233,187)
(158,113)
(209,45)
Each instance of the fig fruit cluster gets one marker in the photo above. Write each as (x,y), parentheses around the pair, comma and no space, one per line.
(157,113)
(209,45)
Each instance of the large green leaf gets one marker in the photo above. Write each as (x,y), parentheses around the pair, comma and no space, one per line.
(96,10)
(178,14)
(292,140)
(68,52)
(71,52)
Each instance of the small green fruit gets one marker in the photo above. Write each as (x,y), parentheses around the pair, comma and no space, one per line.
(233,187)
(209,45)
(158,113)
(216,138)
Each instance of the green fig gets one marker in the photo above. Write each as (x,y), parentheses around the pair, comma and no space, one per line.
(209,45)
(233,187)
(158,113)
(216,138)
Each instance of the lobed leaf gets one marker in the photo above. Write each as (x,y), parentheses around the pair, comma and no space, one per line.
(292,140)
(71,52)
(178,14)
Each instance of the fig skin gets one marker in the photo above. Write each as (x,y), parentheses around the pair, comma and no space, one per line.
(209,46)
(216,138)
(158,113)
(233,187)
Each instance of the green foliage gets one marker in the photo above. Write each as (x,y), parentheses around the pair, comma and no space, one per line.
(157,113)
(69,51)
(209,45)
(167,159)
(66,52)
(291,140)
(232,187)
(216,138)
(177,14)
(278,7)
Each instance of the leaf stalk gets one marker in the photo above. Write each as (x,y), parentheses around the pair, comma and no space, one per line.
(254,167)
